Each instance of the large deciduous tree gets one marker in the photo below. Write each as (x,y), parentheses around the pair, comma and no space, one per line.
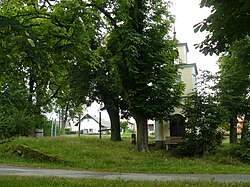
(102,88)
(228,29)
(95,80)
(234,82)
(143,62)
(75,54)
(39,44)
(228,22)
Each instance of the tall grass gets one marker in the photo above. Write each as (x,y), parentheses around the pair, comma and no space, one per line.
(91,153)
(54,181)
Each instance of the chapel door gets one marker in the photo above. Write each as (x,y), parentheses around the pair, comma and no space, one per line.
(177,127)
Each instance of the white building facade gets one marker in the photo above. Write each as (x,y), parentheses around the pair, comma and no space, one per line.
(90,125)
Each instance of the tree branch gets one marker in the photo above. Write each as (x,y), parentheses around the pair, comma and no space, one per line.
(107,14)
(53,95)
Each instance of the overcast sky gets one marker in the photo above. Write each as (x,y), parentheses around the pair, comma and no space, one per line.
(187,14)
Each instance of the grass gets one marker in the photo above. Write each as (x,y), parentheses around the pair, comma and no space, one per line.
(91,153)
(55,181)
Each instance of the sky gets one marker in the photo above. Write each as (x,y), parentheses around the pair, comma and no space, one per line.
(187,14)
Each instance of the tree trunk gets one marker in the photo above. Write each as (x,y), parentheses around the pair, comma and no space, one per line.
(233,130)
(142,133)
(115,123)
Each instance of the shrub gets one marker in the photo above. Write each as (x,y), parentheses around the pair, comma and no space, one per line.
(242,151)
(16,124)
(15,111)
(200,144)
(204,118)
(20,123)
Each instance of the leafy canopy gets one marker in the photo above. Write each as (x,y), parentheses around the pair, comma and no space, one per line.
(228,22)
(143,58)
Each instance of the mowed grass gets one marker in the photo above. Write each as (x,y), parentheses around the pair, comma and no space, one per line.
(55,181)
(91,153)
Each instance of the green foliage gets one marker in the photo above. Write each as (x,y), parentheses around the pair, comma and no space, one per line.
(41,122)
(234,81)
(204,116)
(21,123)
(64,51)
(234,77)
(16,124)
(40,43)
(142,56)
(14,116)
(124,125)
(227,23)
(16,113)
(242,151)
(130,131)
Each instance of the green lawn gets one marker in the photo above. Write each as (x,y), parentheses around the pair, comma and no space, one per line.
(91,153)
(55,181)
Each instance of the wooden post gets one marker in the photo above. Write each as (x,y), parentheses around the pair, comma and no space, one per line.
(60,118)
(133,136)
(52,128)
(100,124)
(79,127)
(55,128)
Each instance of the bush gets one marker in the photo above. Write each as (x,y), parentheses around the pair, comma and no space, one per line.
(199,144)
(15,111)
(242,151)
(19,123)
(204,118)
(16,124)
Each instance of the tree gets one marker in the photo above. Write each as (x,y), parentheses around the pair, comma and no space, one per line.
(228,27)
(203,134)
(204,115)
(228,22)
(234,82)
(22,64)
(42,42)
(143,62)
(98,84)
(76,53)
